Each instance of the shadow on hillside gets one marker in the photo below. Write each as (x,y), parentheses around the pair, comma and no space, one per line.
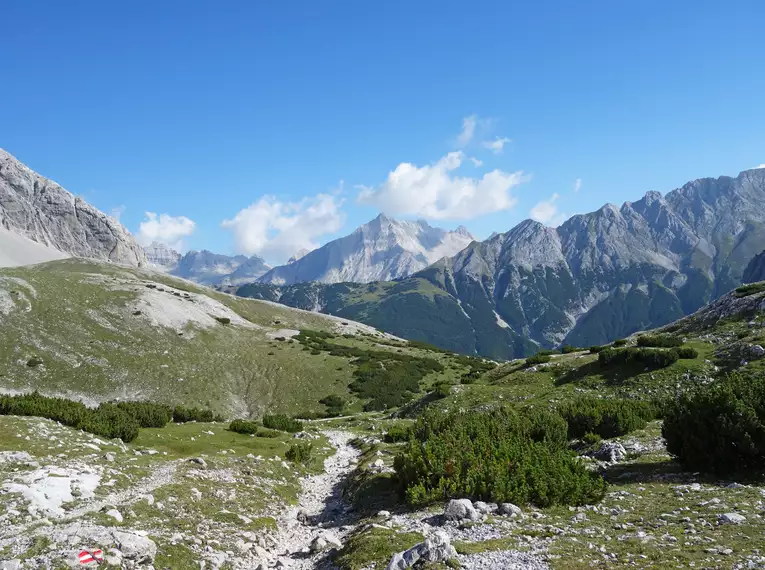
(613,376)
(626,473)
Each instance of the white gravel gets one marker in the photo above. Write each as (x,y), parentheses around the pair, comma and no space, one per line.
(504,559)
(321,501)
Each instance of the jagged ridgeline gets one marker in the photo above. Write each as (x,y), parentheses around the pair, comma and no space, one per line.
(598,277)
(97,332)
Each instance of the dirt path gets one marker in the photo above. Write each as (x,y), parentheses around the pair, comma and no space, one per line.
(320,511)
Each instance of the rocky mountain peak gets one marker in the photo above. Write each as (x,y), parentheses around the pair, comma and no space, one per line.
(41,211)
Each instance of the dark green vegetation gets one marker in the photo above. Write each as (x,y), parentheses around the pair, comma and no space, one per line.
(750,289)
(659,341)
(282,422)
(539,358)
(605,418)
(503,456)
(108,420)
(300,452)
(182,415)
(385,379)
(720,428)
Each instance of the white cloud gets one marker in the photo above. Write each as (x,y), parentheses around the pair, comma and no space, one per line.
(547,212)
(577,185)
(476,161)
(276,230)
(468,130)
(497,145)
(117,212)
(435,192)
(166,229)
(758,167)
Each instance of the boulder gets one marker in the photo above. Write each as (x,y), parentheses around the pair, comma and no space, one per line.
(756,351)
(436,548)
(731,518)
(134,547)
(460,510)
(318,544)
(510,510)
(485,508)
(115,514)
(611,451)
(10,565)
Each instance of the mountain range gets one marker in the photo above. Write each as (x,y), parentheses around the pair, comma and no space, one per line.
(597,277)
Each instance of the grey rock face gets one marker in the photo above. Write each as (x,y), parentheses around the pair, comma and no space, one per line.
(755,269)
(611,451)
(211,268)
(162,256)
(42,211)
(380,250)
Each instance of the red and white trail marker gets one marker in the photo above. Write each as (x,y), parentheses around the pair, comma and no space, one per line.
(89,556)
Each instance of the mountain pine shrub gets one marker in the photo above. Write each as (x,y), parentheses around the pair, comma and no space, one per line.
(502,456)
(538,358)
(687,353)
(720,428)
(244,426)
(659,341)
(148,414)
(282,422)
(182,415)
(605,418)
(649,357)
(300,452)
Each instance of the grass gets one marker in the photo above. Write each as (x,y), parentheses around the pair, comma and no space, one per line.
(374,545)
(94,347)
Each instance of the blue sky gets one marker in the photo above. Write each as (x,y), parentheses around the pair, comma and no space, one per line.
(262,127)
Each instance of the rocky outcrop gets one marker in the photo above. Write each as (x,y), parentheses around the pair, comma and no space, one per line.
(40,210)
(755,269)
(216,269)
(162,256)
(380,250)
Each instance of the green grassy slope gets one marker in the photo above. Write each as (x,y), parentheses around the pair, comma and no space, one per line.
(95,331)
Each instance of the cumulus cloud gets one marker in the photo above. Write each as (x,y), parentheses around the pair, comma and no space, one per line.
(577,185)
(497,145)
(758,167)
(476,161)
(547,212)
(468,130)
(435,191)
(164,228)
(275,230)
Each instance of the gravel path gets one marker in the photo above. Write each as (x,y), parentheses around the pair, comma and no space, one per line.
(320,506)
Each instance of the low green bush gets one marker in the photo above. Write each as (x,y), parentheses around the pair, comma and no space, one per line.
(300,452)
(687,353)
(568,349)
(397,434)
(182,415)
(606,418)
(244,426)
(596,349)
(148,414)
(107,420)
(720,428)
(334,403)
(620,342)
(501,456)
(282,422)
(591,439)
(538,358)
(659,341)
(649,357)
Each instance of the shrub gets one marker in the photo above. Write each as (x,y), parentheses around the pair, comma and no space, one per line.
(651,358)
(107,420)
(620,342)
(606,418)
(596,349)
(538,358)
(182,415)
(591,439)
(282,422)
(568,349)
(687,353)
(396,434)
(659,341)
(497,456)
(300,452)
(243,426)
(147,414)
(441,390)
(720,428)
(334,403)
